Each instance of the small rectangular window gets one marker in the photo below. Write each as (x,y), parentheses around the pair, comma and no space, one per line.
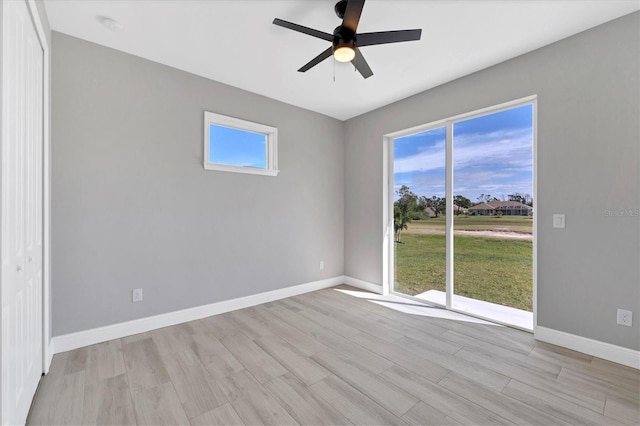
(235,145)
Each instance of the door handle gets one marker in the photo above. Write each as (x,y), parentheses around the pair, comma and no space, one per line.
(19,268)
(30,259)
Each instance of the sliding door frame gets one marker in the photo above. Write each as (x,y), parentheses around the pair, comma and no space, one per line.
(388,249)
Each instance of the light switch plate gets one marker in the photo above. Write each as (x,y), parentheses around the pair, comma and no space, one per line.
(558,220)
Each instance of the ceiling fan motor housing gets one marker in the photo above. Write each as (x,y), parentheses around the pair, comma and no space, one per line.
(343,37)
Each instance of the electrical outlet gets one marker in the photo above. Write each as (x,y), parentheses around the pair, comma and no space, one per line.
(625,317)
(136,295)
(322,264)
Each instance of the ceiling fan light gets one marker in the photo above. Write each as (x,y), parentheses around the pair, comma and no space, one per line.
(344,53)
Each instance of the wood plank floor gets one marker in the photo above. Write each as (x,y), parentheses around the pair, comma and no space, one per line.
(328,357)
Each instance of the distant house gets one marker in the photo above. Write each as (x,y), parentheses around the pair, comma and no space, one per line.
(430,212)
(459,210)
(483,209)
(508,208)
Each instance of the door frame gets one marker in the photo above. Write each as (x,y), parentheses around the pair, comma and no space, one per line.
(388,246)
(47,350)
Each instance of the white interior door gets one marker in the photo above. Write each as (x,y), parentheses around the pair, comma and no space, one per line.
(21,212)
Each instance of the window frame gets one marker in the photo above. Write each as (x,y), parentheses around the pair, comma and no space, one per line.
(271,149)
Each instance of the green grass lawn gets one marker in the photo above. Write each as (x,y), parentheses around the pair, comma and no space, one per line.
(490,269)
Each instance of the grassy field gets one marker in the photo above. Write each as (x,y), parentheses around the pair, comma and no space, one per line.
(495,270)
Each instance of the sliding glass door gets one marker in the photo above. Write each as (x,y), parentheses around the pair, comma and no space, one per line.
(463,213)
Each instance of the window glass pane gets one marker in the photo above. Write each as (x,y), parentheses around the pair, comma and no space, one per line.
(493,183)
(419,217)
(237,147)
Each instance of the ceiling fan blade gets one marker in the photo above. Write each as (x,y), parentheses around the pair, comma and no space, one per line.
(315,61)
(304,30)
(384,37)
(361,64)
(352,14)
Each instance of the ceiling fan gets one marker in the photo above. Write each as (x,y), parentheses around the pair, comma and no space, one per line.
(345,41)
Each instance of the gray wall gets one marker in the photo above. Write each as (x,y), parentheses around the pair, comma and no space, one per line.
(588,162)
(133,206)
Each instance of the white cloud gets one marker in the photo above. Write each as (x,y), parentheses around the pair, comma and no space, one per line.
(505,149)
(429,158)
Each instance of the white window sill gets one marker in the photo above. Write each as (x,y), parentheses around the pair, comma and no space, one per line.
(237,169)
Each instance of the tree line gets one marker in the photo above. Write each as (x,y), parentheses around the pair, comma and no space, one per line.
(410,206)
(517,196)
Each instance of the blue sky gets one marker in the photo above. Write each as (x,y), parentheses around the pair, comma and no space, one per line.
(237,147)
(493,154)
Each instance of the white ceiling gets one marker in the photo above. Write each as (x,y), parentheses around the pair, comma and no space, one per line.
(235,42)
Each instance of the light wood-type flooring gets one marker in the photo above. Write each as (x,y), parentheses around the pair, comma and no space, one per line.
(328,357)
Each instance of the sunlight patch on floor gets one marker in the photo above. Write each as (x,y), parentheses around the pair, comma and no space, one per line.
(407,306)
(503,314)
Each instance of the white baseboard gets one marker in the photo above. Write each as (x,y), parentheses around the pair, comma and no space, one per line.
(618,354)
(79,339)
(363,285)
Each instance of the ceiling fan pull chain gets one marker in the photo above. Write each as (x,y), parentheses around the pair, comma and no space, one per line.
(334,70)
